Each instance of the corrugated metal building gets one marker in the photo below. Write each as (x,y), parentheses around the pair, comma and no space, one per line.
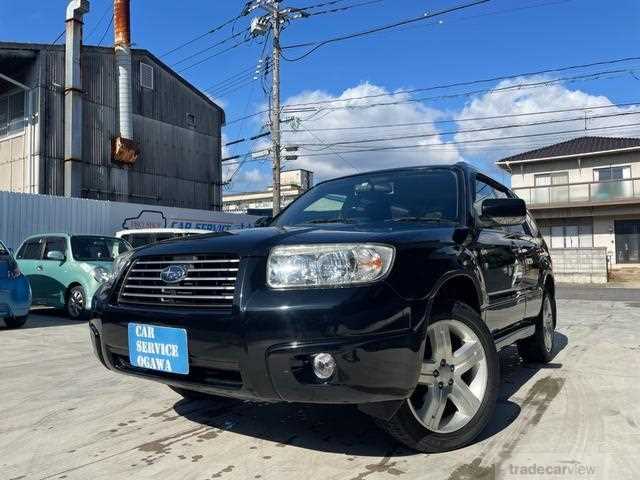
(176,128)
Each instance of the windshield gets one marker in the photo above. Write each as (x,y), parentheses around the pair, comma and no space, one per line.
(429,195)
(103,249)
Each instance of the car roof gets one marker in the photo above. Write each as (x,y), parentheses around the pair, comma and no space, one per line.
(465,166)
(159,230)
(66,235)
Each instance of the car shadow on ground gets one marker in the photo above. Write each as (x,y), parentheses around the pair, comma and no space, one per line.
(344,429)
(43,317)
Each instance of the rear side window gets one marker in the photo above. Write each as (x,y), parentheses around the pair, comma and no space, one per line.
(55,244)
(31,250)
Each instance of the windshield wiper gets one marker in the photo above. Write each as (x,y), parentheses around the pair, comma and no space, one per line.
(330,220)
(418,219)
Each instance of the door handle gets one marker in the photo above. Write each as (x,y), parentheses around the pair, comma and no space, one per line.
(39,268)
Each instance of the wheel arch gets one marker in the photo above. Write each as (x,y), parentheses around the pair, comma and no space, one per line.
(458,286)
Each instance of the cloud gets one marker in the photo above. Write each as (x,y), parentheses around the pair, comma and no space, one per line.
(523,102)
(319,129)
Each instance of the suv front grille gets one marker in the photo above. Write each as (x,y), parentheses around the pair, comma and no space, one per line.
(210,281)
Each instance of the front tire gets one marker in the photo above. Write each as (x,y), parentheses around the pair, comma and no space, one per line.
(16,322)
(458,385)
(76,303)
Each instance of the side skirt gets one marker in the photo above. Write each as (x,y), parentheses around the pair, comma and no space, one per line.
(512,337)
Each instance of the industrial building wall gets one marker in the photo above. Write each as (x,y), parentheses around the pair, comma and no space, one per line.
(13,162)
(42,214)
(177,131)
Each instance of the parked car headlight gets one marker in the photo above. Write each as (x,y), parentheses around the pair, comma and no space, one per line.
(14,271)
(101,275)
(334,265)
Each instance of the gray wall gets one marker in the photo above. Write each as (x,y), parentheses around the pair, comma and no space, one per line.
(179,165)
(580,265)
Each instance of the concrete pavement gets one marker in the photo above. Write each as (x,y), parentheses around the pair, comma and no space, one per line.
(63,416)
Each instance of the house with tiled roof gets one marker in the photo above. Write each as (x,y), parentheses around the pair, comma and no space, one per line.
(584,193)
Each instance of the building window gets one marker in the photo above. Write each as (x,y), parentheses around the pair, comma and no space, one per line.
(191,120)
(547,179)
(146,76)
(569,235)
(12,114)
(611,173)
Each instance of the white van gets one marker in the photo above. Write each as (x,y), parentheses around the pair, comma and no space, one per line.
(145,236)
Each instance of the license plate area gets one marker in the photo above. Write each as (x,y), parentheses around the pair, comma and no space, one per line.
(163,349)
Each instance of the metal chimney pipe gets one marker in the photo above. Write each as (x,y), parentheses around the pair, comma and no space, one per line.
(122,30)
(73,99)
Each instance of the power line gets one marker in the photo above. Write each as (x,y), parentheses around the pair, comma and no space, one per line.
(456,120)
(463,142)
(200,37)
(475,130)
(443,86)
(472,82)
(324,4)
(200,62)
(474,119)
(592,76)
(318,44)
(343,9)
(211,47)
(456,132)
(104,15)
(106,31)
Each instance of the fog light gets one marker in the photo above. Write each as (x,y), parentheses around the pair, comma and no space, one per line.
(324,365)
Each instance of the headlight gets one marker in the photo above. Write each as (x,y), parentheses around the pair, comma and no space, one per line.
(119,263)
(334,265)
(101,275)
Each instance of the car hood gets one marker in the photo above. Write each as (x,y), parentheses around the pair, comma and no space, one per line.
(106,265)
(258,241)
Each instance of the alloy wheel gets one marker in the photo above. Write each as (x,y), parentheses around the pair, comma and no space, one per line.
(453,379)
(76,303)
(547,323)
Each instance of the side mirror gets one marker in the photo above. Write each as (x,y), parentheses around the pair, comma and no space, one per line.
(56,256)
(263,222)
(503,211)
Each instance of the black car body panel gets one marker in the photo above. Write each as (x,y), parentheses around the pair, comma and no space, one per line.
(261,346)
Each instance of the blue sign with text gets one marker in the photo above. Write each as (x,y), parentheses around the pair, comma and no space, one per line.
(158,348)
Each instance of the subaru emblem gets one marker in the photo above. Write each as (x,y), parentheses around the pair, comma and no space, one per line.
(174,273)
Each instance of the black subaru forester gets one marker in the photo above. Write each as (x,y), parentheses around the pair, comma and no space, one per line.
(390,290)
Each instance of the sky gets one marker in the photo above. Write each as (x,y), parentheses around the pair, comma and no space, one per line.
(499,38)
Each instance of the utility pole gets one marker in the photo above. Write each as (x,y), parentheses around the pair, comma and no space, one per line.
(275,110)
(274,19)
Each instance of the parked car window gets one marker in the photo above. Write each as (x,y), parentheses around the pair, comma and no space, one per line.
(88,248)
(3,249)
(430,194)
(55,244)
(31,249)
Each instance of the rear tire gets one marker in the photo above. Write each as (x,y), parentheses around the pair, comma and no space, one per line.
(539,347)
(456,395)
(76,303)
(16,322)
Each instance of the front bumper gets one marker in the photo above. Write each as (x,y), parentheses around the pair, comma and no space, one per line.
(15,297)
(261,349)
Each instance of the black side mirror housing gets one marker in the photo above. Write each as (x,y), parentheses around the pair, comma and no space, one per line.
(503,211)
(263,222)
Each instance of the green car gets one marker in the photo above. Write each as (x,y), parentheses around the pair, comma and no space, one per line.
(66,270)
